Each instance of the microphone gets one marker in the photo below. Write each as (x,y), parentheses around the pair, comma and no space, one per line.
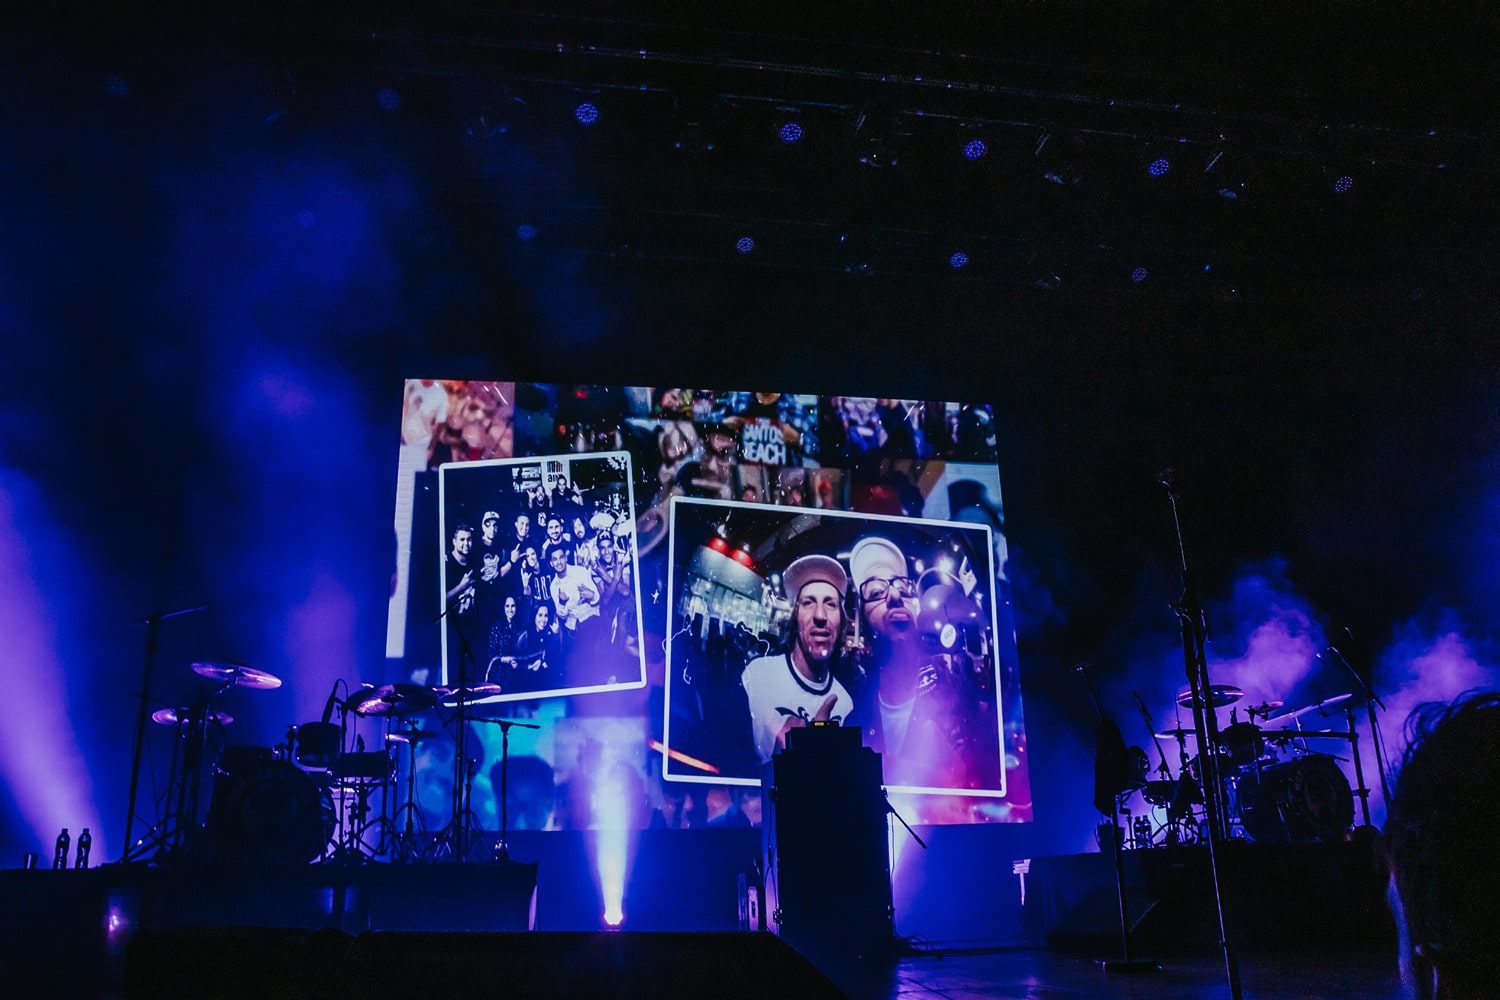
(332,699)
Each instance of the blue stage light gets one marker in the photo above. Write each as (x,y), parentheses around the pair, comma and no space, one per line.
(790,132)
(974,149)
(1139,275)
(526,232)
(958,260)
(115,86)
(1159,167)
(744,244)
(306,219)
(1343,184)
(586,113)
(388,99)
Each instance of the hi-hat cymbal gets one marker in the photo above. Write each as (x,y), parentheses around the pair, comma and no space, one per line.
(392,699)
(172,716)
(1175,734)
(1324,707)
(1219,695)
(238,675)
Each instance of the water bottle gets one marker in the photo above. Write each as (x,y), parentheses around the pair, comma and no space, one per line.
(85,841)
(60,852)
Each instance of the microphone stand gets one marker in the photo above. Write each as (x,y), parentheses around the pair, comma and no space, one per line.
(1127,962)
(1371,701)
(153,629)
(502,853)
(462,777)
(1205,723)
(1162,767)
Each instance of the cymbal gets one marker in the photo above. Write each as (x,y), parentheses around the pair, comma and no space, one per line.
(392,699)
(1301,734)
(1322,707)
(472,694)
(1173,734)
(1264,709)
(1219,695)
(237,675)
(172,716)
(416,736)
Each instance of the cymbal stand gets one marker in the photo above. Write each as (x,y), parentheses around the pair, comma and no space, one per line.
(163,831)
(383,824)
(502,851)
(346,840)
(190,784)
(409,814)
(454,839)
(153,631)
(1194,626)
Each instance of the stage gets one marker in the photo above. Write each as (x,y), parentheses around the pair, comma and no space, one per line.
(1309,917)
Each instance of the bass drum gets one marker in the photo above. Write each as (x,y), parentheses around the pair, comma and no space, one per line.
(1296,801)
(269,813)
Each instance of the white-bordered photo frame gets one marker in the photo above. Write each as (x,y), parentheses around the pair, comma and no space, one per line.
(496,483)
(991,583)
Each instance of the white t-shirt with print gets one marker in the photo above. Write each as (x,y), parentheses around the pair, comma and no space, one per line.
(776,691)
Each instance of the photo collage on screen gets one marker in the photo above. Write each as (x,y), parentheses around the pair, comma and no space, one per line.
(647,651)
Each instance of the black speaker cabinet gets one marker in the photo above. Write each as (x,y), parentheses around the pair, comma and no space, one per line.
(827,870)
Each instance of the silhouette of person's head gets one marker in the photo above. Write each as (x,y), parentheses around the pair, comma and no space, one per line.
(1440,847)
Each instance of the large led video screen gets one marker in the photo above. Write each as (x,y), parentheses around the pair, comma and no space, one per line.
(668,579)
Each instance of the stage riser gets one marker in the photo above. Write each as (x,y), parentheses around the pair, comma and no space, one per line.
(242,963)
(1281,897)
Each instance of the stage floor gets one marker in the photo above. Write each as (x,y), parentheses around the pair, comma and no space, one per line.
(1038,974)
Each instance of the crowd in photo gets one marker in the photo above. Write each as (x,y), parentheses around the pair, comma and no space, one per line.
(544,594)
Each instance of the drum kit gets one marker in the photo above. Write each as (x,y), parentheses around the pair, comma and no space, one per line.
(310,798)
(1283,784)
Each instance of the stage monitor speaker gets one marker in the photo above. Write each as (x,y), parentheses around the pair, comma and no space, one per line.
(235,962)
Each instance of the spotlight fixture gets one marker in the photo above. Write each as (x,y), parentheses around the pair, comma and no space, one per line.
(1139,275)
(975,149)
(526,232)
(586,113)
(1159,167)
(1343,184)
(744,244)
(388,99)
(790,133)
(959,260)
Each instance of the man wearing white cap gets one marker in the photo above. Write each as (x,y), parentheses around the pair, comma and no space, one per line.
(791,689)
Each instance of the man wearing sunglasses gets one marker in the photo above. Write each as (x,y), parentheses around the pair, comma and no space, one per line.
(903,705)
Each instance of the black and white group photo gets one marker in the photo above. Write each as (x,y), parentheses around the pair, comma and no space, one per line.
(539,576)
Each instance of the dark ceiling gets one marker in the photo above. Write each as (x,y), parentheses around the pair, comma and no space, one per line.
(1320,363)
